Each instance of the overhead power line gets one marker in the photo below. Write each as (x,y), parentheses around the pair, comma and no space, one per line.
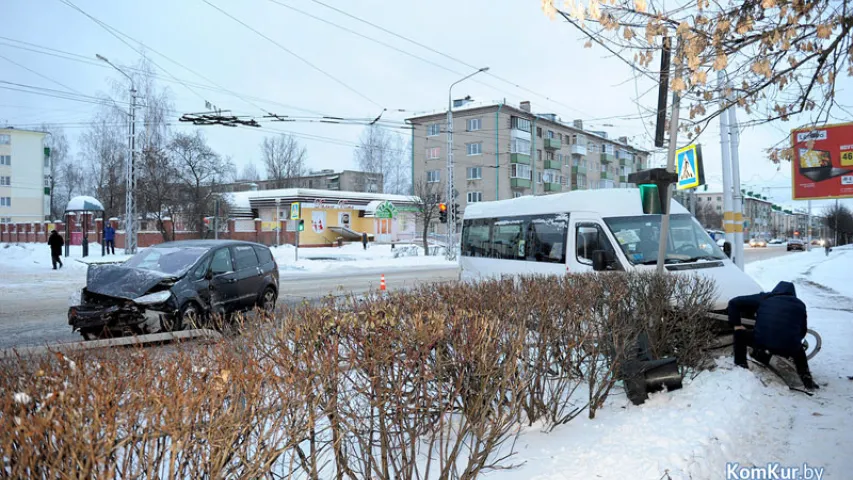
(294,54)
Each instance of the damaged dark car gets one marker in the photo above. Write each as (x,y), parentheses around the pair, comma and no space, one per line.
(175,285)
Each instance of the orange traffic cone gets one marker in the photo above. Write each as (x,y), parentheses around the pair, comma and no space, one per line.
(382,283)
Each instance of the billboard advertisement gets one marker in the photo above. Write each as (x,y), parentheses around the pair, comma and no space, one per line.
(822,166)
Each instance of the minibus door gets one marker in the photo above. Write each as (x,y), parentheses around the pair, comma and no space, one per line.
(588,236)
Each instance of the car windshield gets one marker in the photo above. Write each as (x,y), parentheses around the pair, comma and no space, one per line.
(172,260)
(639,238)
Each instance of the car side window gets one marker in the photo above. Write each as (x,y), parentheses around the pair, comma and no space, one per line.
(201,269)
(264,255)
(589,237)
(221,262)
(245,257)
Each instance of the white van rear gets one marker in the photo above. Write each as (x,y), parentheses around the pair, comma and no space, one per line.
(558,234)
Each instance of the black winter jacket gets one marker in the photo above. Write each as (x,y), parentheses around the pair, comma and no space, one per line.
(56,242)
(780,317)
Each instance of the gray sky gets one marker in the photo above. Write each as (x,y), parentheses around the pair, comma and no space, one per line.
(514,38)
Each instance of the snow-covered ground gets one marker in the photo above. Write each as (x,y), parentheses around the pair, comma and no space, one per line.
(725,415)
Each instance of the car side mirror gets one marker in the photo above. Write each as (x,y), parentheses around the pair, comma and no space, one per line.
(727,249)
(208,275)
(599,260)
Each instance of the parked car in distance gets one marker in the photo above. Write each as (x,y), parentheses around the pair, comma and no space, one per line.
(174,285)
(776,241)
(796,244)
(757,242)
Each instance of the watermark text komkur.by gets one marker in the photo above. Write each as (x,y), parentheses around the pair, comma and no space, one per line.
(773,471)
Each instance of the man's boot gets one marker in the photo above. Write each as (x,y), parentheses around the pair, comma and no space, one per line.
(809,382)
(760,356)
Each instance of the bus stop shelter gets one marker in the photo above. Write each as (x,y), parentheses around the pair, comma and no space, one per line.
(85,205)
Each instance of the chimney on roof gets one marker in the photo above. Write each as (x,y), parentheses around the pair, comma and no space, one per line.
(623,140)
(525,105)
(578,124)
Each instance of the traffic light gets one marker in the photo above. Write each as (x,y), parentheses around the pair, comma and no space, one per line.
(442,212)
(457,212)
(301,226)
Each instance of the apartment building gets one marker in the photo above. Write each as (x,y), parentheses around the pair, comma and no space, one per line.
(345,181)
(501,151)
(24,176)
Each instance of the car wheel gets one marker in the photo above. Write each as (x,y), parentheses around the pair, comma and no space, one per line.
(268,300)
(188,316)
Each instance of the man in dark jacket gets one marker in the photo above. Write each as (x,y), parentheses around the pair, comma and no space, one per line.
(780,326)
(56,242)
(364,240)
(109,238)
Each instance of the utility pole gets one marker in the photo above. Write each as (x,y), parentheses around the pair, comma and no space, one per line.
(130,231)
(450,252)
(737,198)
(670,156)
(835,243)
(728,214)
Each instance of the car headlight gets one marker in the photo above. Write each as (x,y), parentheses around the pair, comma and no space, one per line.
(154,298)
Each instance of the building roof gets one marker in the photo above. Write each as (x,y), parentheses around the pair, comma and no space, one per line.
(12,129)
(610,202)
(442,115)
(248,200)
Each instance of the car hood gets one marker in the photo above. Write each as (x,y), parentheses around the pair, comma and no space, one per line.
(124,282)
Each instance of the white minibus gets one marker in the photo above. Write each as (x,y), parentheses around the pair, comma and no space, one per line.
(588,230)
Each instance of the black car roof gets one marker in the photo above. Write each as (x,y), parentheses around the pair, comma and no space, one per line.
(205,244)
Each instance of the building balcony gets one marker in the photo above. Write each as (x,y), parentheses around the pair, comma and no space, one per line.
(578,169)
(553,143)
(625,162)
(519,158)
(623,178)
(553,165)
(578,149)
(520,183)
(553,187)
(606,176)
(608,157)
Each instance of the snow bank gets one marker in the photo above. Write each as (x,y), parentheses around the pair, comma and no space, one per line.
(351,257)
(36,256)
(691,433)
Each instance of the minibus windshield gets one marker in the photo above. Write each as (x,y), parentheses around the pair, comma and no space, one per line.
(639,238)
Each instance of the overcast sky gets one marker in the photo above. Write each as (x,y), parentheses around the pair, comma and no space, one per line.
(530,57)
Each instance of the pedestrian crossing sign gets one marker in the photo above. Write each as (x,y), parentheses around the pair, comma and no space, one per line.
(688,163)
(295,211)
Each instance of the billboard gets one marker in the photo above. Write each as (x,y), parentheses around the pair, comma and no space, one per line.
(822,165)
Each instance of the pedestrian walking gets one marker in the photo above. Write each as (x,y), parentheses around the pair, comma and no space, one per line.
(364,240)
(56,242)
(109,238)
(827,247)
(780,326)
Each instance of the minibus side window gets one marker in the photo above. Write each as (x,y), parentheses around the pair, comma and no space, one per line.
(508,240)
(590,237)
(475,238)
(546,238)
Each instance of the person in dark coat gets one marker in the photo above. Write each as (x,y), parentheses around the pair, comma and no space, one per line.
(827,247)
(780,326)
(109,238)
(364,240)
(56,242)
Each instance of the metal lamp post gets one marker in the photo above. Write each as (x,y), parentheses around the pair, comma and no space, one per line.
(130,231)
(451,213)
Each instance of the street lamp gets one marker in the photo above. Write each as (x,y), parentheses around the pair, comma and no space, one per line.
(451,217)
(130,232)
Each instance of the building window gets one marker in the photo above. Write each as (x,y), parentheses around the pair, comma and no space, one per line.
(520,145)
(6,160)
(539,132)
(433,153)
(5,219)
(474,124)
(518,170)
(433,176)
(5,181)
(550,134)
(539,178)
(519,123)
(549,176)
(5,201)
(474,148)
(433,129)
(719,199)
(516,194)
(549,155)
(474,197)
(5,139)
(560,159)
(475,173)
(539,155)
(581,181)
